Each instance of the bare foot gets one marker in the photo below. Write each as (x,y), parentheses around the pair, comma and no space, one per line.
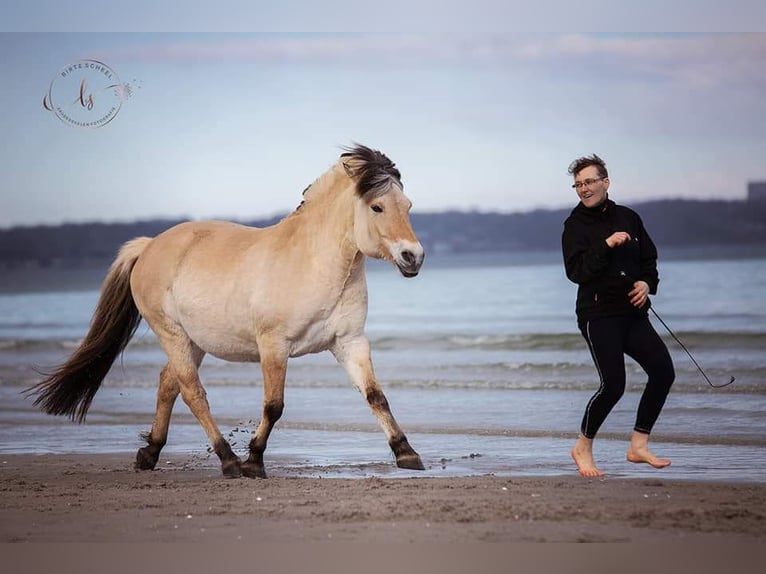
(639,454)
(582,454)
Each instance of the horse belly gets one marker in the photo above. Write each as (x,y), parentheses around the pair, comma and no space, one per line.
(235,355)
(315,339)
(223,342)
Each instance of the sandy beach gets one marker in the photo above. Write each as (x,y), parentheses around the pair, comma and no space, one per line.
(100,498)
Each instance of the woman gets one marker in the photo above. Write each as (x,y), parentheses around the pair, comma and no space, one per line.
(611,257)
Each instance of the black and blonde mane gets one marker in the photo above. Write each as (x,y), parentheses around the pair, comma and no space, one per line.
(374,172)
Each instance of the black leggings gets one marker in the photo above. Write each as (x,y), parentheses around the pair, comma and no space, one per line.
(609,340)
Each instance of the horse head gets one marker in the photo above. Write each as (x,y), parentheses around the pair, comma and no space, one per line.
(382,228)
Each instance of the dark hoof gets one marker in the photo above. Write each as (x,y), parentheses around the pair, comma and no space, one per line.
(145,460)
(232,468)
(411,461)
(253,470)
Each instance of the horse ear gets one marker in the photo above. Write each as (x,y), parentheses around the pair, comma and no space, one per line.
(349,171)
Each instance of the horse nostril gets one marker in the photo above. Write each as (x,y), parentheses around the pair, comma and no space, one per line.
(408,257)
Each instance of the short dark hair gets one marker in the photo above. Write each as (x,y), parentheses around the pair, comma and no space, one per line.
(582,162)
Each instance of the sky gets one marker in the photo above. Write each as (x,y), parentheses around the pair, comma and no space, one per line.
(235,125)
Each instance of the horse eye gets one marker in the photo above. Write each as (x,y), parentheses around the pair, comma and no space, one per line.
(377,209)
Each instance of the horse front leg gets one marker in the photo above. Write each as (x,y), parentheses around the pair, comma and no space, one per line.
(355,357)
(274,369)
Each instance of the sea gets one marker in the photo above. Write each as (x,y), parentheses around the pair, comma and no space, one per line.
(479,357)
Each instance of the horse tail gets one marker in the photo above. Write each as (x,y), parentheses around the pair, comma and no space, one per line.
(70,389)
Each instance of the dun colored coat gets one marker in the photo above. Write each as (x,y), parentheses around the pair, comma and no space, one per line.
(252,294)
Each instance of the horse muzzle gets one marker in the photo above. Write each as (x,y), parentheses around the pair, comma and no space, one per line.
(409,260)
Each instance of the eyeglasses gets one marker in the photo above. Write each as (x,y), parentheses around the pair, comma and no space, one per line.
(586,182)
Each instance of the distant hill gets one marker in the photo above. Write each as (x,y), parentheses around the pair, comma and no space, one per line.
(672,223)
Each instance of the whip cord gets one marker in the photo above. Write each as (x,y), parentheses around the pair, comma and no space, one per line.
(672,334)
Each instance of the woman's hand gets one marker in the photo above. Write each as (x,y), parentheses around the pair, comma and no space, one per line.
(617,238)
(639,294)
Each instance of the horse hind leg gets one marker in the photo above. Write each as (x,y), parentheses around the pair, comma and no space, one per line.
(184,359)
(146,457)
(195,397)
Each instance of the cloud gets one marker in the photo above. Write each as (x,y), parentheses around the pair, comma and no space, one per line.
(696,60)
(281,49)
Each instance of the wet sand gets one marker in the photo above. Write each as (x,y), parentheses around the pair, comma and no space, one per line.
(100,498)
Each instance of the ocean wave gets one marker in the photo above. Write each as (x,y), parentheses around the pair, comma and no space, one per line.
(458,341)
(453,341)
(59,344)
(587,384)
(557,341)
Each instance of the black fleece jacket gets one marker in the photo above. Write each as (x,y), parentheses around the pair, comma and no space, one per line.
(606,275)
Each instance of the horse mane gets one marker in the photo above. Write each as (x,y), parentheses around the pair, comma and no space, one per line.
(375,173)
(303,193)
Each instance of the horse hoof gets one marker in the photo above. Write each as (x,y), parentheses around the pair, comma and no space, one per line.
(231,468)
(251,470)
(144,460)
(411,461)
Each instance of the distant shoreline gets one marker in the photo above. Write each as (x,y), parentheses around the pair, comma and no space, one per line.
(87,275)
(714,229)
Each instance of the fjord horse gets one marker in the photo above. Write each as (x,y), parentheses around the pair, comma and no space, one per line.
(252,294)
